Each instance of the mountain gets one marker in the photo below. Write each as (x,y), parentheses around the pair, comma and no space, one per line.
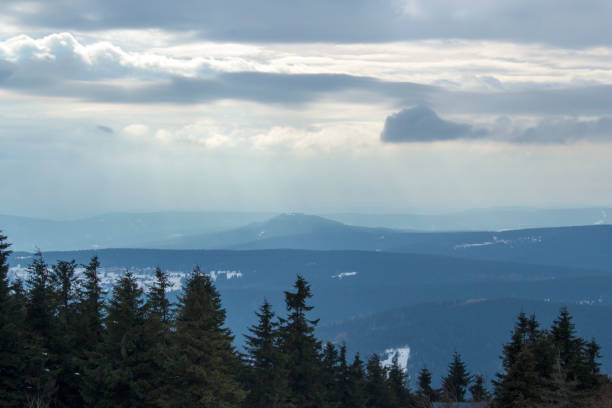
(117,230)
(492,219)
(581,246)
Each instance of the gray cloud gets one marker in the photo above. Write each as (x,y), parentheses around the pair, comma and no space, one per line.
(105,129)
(551,21)
(567,131)
(421,124)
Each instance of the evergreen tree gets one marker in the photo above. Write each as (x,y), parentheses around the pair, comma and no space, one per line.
(331,375)
(112,372)
(91,306)
(11,342)
(156,337)
(64,342)
(425,391)
(379,395)
(355,395)
(570,347)
(204,366)
(478,389)
(39,372)
(301,348)
(454,385)
(400,394)
(267,376)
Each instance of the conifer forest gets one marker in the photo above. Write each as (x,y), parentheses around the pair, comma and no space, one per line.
(66,343)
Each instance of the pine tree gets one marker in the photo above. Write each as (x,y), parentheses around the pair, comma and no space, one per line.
(204,366)
(454,385)
(301,348)
(267,376)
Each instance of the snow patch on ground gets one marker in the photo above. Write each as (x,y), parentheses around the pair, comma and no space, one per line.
(344,275)
(145,277)
(402,353)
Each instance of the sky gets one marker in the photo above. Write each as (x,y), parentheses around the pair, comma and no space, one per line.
(312,106)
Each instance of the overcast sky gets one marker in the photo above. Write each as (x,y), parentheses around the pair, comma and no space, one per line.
(312,106)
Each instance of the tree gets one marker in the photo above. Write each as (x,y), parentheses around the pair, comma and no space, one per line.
(301,348)
(112,374)
(379,395)
(400,394)
(478,389)
(355,396)
(204,364)
(91,306)
(569,345)
(64,342)
(38,372)
(267,376)
(11,342)
(425,391)
(454,385)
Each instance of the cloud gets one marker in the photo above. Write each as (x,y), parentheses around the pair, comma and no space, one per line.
(567,131)
(421,124)
(549,21)
(105,129)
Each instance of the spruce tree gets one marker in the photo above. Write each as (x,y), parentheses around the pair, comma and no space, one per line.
(301,348)
(91,307)
(65,344)
(355,396)
(379,395)
(331,375)
(454,385)
(112,372)
(204,366)
(156,337)
(400,394)
(11,342)
(478,390)
(267,376)
(570,346)
(39,371)
(425,391)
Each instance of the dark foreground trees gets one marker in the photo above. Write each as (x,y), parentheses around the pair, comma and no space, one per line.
(63,343)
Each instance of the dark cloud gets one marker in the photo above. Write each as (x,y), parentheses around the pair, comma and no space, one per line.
(105,129)
(566,23)
(421,124)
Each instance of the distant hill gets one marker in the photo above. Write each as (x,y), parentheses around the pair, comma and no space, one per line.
(116,230)
(174,229)
(581,246)
(492,219)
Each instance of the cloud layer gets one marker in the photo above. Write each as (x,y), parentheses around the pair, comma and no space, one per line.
(550,21)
